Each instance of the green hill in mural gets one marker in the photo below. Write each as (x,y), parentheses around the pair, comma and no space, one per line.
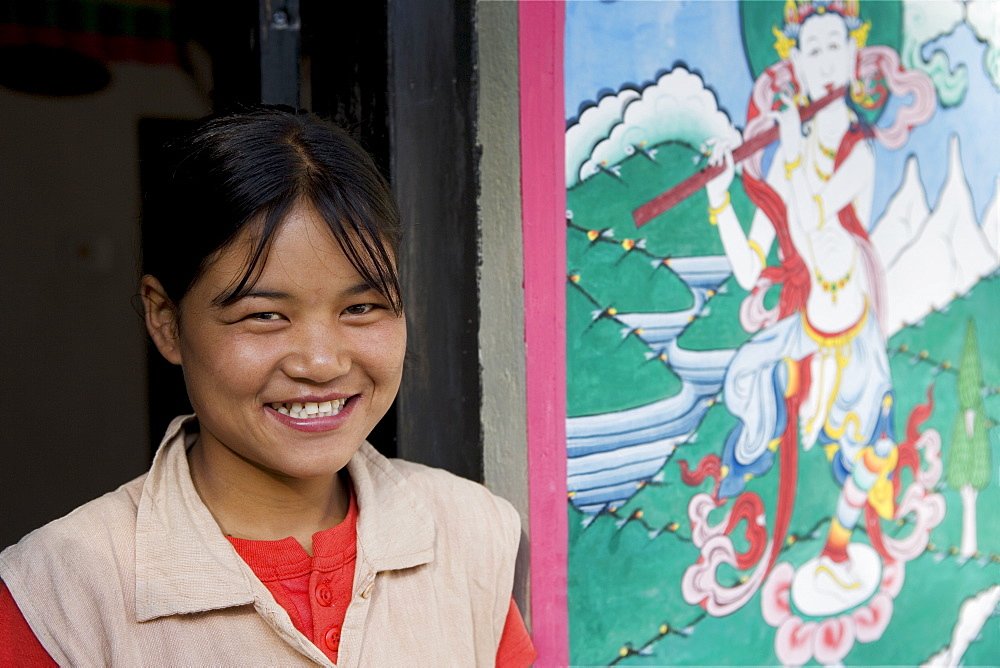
(607,272)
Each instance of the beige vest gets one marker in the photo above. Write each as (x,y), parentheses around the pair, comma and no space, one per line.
(144,577)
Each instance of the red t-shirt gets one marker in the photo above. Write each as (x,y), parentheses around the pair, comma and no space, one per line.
(314,590)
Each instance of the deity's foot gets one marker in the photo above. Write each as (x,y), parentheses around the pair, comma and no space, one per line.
(822,587)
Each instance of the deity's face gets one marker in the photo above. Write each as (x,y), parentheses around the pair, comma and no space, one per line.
(825,55)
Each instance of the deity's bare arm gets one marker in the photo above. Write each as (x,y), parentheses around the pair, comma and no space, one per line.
(747,253)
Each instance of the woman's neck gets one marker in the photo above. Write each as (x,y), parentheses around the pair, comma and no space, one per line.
(250,502)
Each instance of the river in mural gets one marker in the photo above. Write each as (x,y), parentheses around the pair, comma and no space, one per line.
(609,453)
(783,280)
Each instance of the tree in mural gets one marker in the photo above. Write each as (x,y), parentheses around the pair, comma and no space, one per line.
(968,468)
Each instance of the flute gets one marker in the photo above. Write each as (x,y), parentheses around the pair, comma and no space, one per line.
(697,181)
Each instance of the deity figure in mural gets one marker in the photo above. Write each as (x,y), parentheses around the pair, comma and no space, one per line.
(816,372)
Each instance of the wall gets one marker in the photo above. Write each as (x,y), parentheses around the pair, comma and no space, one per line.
(74,353)
(501,295)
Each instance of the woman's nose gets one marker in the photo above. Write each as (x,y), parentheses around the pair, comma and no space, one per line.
(318,355)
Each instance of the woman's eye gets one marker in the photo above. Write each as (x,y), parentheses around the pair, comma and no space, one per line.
(359,309)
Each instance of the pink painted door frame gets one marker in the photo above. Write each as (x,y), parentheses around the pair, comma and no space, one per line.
(543,194)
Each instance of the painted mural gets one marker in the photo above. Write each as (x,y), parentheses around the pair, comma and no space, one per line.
(783,297)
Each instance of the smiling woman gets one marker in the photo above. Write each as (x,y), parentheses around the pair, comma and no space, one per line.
(268,530)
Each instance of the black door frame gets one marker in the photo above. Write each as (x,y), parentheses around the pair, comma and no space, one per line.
(401,74)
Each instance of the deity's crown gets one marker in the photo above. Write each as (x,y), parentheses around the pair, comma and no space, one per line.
(797,11)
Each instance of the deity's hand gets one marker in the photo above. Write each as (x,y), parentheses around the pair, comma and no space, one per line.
(721,153)
(789,128)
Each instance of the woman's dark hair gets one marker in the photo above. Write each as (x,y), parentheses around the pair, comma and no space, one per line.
(250,168)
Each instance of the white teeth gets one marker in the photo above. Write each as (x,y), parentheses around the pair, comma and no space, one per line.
(310,409)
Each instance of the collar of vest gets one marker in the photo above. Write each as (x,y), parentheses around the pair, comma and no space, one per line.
(184,564)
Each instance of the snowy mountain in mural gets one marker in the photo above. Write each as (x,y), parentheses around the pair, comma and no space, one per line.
(946,244)
(991,221)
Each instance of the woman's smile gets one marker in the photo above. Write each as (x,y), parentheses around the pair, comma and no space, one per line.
(304,409)
(312,416)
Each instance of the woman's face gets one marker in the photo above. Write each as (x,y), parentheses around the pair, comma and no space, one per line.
(825,55)
(294,375)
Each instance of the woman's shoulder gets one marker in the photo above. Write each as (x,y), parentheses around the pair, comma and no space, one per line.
(446,487)
(88,530)
(422,474)
(72,572)
(441,488)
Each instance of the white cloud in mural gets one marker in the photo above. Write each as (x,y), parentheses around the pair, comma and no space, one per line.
(593,125)
(924,22)
(983,16)
(948,240)
(677,107)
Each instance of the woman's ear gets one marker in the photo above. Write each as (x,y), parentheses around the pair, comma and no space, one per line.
(161,318)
